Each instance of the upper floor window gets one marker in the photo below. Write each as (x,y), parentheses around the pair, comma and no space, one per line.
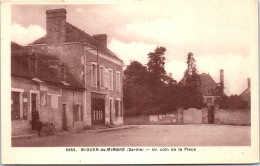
(110,80)
(118,81)
(101,76)
(93,74)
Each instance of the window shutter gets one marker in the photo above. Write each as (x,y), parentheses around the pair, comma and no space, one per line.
(81,112)
(74,112)
(106,77)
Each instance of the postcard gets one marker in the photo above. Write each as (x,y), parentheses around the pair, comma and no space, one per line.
(129,82)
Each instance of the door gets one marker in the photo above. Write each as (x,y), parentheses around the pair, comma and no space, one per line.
(98,111)
(110,110)
(211,114)
(64,117)
(33,102)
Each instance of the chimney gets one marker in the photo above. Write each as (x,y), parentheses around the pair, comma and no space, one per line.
(222,76)
(56,27)
(249,82)
(222,79)
(101,38)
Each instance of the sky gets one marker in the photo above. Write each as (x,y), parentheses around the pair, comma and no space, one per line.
(218,33)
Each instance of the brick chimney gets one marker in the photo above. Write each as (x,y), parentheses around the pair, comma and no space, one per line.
(101,38)
(56,27)
(222,79)
(249,82)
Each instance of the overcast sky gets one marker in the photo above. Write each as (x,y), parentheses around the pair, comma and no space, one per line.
(217,32)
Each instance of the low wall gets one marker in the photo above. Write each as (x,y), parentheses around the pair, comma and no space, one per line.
(232,117)
(136,120)
(228,117)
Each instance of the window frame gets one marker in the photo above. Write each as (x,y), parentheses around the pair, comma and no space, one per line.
(118,81)
(111,80)
(20,91)
(95,75)
(102,77)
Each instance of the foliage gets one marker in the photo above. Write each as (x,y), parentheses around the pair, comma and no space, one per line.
(156,66)
(233,102)
(189,93)
(136,88)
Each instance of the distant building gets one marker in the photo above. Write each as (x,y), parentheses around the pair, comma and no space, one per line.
(94,76)
(208,87)
(246,94)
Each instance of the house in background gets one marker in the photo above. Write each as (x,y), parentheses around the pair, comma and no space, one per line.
(91,63)
(246,95)
(208,87)
(39,83)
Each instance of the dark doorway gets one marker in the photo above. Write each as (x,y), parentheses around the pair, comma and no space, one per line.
(211,114)
(98,111)
(64,117)
(33,102)
(110,110)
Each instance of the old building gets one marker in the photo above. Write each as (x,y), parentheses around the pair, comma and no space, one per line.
(246,94)
(38,82)
(208,87)
(91,63)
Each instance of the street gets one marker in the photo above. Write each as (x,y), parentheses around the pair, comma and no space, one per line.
(147,135)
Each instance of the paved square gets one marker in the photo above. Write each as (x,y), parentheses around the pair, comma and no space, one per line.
(148,135)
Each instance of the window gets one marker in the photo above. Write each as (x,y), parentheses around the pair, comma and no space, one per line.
(15,105)
(101,76)
(54,101)
(118,108)
(78,113)
(118,81)
(110,73)
(209,91)
(209,101)
(93,74)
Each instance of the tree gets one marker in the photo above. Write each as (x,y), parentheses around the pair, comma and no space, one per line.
(156,66)
(157,74)
(135,89)
(191,73)
(190,95)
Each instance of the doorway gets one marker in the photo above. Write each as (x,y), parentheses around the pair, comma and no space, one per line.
(98,111)
(64,117)
(211,114)
(110,110)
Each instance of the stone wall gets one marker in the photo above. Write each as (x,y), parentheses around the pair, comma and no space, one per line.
(232,117)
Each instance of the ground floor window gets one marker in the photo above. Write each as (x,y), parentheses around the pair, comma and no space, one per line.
(15,105)
(78,113)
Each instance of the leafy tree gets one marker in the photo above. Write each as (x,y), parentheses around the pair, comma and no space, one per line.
(136,89)
(190,95)
(156,65)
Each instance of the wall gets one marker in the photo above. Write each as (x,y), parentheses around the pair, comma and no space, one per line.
(71,98)
(46,112)
(232,117)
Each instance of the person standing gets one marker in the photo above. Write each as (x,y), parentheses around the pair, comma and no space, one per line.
(35,117)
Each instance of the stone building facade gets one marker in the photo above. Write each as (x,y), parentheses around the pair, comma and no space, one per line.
(80,79)
(37,83)
(91,63)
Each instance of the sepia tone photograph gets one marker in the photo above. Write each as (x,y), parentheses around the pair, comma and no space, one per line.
(143,74)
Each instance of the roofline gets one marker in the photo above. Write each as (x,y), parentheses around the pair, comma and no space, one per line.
(84,43)
(60,84)
(247,89)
